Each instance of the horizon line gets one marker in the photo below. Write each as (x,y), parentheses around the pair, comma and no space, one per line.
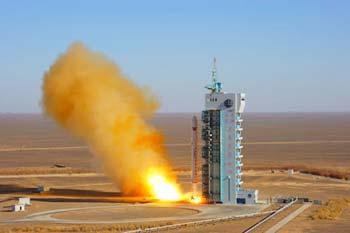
(41,113)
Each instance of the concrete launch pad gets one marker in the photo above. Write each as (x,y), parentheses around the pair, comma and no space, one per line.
(95,213)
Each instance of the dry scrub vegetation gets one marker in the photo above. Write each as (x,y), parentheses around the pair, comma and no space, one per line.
(84,228)
(337,173)
(331,210)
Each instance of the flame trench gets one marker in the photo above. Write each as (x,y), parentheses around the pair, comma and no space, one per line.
(87,94)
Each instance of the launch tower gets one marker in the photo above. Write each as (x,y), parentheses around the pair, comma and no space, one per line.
(222,149)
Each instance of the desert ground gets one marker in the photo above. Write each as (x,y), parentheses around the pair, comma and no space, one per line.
(31,144)
(313,139)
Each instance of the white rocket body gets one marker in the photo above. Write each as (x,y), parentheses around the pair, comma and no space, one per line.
(196,162)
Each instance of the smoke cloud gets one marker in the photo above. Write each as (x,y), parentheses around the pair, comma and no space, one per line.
(87,94)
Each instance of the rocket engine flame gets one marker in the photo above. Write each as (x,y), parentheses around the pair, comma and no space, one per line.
(196,199)
(87,94)
(162,188)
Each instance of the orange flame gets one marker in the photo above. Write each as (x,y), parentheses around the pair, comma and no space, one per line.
(196,199)
(162,188)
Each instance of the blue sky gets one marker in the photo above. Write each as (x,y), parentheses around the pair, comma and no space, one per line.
(288,56)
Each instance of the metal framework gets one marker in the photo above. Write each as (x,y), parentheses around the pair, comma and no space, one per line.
(221,152)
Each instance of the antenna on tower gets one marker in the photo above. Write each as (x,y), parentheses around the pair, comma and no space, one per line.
(215,85)
(213,72)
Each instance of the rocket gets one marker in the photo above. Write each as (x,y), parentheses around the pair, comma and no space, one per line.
(195,156)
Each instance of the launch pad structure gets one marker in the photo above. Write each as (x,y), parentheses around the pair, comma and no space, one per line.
(221,167)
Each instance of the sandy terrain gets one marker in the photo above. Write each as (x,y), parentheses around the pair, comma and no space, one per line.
(33,144)
(318,139)
(303,224)
(99,192)
(281,184)
(123,213)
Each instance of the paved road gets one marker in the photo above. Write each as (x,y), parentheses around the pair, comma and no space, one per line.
(287,219)
(24,148)
(13,149)
(92,174)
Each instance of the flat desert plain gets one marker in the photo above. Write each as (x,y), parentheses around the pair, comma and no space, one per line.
(311,139)
(31,144)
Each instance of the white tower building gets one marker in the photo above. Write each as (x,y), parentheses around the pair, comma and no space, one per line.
(222,150)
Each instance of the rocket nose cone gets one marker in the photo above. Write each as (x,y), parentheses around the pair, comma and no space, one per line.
(194,121)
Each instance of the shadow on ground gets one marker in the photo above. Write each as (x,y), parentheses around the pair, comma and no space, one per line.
(13,189)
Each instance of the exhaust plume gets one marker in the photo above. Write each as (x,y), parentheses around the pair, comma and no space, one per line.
(87,94)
